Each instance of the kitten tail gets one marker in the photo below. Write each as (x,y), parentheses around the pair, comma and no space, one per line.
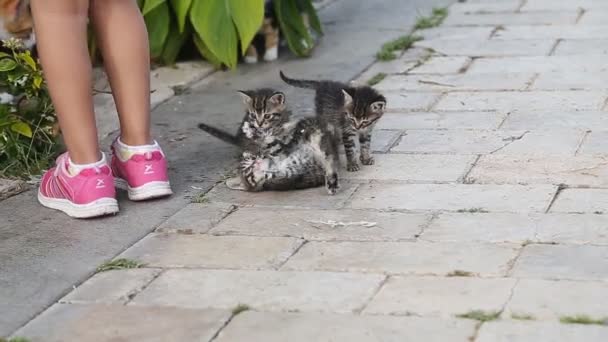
(299,83)
(220,134)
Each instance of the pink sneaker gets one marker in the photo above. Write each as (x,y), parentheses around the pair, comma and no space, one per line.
(88,194)
(142,174)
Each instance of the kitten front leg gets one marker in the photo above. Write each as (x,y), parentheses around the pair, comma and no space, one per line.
(365,142)
(349,147)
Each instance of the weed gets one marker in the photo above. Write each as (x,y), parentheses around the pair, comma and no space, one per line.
(387,51)
(119,264)
(200,199)
(583,319)
(240,308)
(434,20)
(15,339)
(376,79)
(472,210)
(522,317)
(460,273)
(480,315)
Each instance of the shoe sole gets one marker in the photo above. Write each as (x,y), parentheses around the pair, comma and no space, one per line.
(147,191)
(101,207)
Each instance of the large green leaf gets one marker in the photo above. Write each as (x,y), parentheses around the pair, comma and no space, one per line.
(292,27)
(315,23)
(158,22)
(247,15)
(150,5)
(7,64)
(174,43)
(181,8)
(212,21)
(22,128)
(205,52)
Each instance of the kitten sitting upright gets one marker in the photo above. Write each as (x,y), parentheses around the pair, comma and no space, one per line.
(344,112)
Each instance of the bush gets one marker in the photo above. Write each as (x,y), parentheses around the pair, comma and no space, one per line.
(220,28)
(28,131)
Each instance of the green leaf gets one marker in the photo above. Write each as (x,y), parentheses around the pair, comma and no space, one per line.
(157,22)
(212,21)
(38,81)
(27,58)
(206,53)
(313,18)
(150,5)
(181,8)
(4,54)
(247,15)
(292,27)
(22,128)
(7,64)
(174,44)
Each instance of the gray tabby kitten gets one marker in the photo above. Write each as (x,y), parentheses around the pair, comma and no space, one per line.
(344,112)
(275,155)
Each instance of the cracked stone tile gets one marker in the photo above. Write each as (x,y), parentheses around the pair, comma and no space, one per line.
(489,48)
(527,18)
(581,201)
(537,120)
(553,32)
(595,144)
(408,101)
(514,331)
(196,218)
(383,139)
(458,82)
(442,120)
(540,64)
(441,65)
(456,33)
(549,5)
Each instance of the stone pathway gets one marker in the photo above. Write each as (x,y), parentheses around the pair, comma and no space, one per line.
(482,220)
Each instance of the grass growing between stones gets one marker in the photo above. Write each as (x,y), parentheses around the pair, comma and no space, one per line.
(583,319)
(472,210)
(240,308)
(376,79)
(523,317)
(460,273)
(200,199)
(15,339)
(480,315)
(435,19)
(119,264)
(387,51)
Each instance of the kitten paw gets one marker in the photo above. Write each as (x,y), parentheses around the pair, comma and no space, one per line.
(352,167)
(367,161)
(250,59)
(271,54)
(331,184)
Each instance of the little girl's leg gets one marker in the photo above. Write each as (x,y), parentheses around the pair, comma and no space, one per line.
(62,46)
(121,33)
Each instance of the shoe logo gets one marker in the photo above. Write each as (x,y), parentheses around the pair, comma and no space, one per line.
(100,184)
(148,169)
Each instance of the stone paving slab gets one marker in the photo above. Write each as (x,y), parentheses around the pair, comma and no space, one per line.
(436,296)
(456,141)
(402,64)
(384,139)
(303,327)
(228,252)
(582,262)
(454,197)
(544,5)
(117,286)
(315,198)
(555,119)
(553,31)
(595,144)
(485,7)
(324,225)
(443,120)
(529,100)
(455,32)
(556,142)
(595,17)
(195,218)
(458,82)
(111,323)
(415,168)
(534,331)
(421,258)
(408,101)
(571,80)
(551,300)
(489,48)
(574,47)
(518,228)
(522,169)
(442,65)
(581,201)
(261,290)
(540,64)
(527,18)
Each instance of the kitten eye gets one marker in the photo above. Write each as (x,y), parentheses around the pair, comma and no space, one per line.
(267,116)
(251,114)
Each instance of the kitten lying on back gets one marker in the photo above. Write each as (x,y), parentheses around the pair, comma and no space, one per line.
(344,112)
(276,151)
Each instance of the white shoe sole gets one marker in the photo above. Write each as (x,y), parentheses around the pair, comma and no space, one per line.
(100,207)
(145,192)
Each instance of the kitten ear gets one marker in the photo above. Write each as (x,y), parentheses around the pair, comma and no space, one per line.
(277,99)
(378,106)
(348,99)
(246,97)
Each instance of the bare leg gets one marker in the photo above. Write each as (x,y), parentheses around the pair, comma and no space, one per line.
(123,41)
(62,44)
